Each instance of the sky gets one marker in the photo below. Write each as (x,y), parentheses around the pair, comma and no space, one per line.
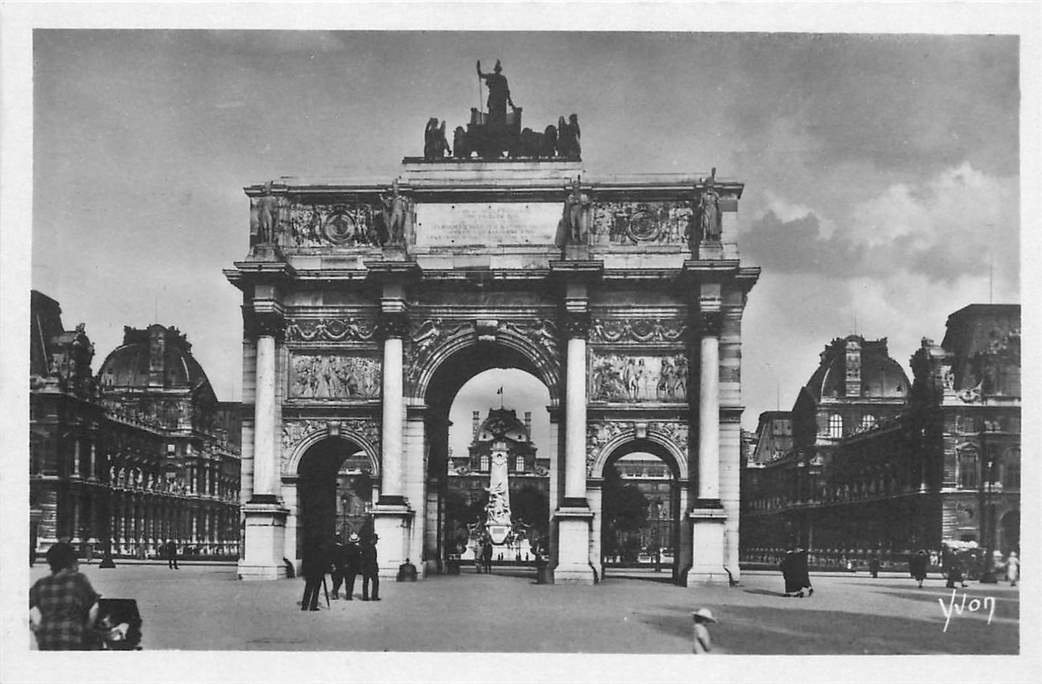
(881,172)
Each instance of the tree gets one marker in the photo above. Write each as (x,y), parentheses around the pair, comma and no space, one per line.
(529,506)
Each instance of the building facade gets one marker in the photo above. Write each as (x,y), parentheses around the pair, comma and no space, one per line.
(141,454)
(368,305)
(936,461)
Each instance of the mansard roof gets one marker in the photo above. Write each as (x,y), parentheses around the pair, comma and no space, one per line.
(156,357)
(881,376)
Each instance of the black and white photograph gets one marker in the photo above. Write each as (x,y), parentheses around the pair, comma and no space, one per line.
(520,342)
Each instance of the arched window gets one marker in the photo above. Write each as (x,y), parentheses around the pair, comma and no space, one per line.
(519,464)
(835,426)
(1011,469)
(868,421)
(968,468)
(484,463)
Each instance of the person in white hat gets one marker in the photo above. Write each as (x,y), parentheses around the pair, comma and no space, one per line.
(702,643)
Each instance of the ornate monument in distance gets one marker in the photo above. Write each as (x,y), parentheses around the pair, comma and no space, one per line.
(367,305)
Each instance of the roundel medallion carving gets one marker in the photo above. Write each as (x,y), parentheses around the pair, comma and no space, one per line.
(341,228)
(643,227)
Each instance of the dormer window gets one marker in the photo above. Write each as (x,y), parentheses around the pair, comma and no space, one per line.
(519,464)
(835,426)
(484,465)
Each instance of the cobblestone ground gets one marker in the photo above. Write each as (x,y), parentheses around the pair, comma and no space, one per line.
(204,607)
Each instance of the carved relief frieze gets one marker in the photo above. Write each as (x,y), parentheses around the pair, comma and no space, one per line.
(675,432)
(426,335)
(636,331)
(638,378)
(330,330)
(330,376)
(635,223)
(354,224)
(542,333)
(296,431)
(598,434)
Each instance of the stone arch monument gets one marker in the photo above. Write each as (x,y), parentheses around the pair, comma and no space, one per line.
(611,291)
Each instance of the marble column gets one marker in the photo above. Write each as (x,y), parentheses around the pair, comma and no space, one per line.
(392,516)
(574,516)
(263,514)
(707,517)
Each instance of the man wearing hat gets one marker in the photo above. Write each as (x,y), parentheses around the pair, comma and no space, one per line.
(370,569)
(702,643)
(349,562)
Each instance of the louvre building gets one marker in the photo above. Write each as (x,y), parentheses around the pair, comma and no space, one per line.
(140,454)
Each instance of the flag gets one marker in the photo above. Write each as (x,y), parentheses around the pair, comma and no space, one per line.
(500,391)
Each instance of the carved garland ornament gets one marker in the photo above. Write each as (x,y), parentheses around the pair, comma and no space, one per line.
(330,330)
(641,330)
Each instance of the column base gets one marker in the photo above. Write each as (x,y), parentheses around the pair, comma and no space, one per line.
(707,544)
(391,522)
(264,543)
(573,546)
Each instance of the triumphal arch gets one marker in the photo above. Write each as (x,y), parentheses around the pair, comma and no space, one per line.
(368,305)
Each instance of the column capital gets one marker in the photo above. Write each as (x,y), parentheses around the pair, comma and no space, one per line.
(393,324)
(268,322)
(710,323)
(576,323)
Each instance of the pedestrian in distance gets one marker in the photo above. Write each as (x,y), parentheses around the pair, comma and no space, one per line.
(1013,568)
(954,571)
(339,561)
(313,566)
(370,569)
(702,643)
(486,558)
(795,572)
(352,565)
(873,567)
(171,555)
(63,606)
(917,566)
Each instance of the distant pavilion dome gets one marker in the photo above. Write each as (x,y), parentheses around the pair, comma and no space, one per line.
(155,357)
(502,424)
(877,375)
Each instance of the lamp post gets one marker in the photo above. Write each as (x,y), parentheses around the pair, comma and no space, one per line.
(988,517)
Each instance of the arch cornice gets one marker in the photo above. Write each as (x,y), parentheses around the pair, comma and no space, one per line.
(605,439)
(299,436)
(436,341)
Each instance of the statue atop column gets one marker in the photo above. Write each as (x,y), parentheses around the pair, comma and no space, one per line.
(709,224)
(264,217)
(574,225)
(396,213)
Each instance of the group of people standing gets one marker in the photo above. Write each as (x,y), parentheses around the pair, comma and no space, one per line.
(344,562)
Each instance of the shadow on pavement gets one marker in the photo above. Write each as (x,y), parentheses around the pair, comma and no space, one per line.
(753,630)
(764,592)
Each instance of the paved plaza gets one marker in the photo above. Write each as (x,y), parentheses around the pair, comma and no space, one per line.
(204,607)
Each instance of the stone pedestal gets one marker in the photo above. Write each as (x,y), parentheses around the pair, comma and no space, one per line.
(264,540)
(573,546)
(392,523)
(707,541)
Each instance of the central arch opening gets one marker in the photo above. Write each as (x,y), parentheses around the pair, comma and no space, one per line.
(335,488)
(640,500)
(489,462)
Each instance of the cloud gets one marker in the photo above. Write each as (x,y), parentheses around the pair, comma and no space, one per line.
(962,222)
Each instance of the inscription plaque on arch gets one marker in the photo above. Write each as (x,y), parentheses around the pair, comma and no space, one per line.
(480,223)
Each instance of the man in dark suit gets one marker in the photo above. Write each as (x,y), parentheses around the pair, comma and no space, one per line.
(171,555)
(370,569)
(313,567)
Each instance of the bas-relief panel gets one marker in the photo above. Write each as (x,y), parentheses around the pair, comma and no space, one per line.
(329,376)
(636,223)
(637,378)
(344,225)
